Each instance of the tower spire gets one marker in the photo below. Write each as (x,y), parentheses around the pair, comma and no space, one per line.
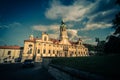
(63,31)
(62,22)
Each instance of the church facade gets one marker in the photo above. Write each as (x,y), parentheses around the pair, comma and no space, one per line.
(36,48)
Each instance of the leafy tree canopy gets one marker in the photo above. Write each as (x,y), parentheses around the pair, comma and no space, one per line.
(116,21)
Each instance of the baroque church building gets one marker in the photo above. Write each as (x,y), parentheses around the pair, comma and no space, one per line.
(36,48)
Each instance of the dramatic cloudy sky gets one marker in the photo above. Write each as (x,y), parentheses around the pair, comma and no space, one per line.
(85,19)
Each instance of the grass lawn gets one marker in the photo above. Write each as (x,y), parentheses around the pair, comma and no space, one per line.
(108,65)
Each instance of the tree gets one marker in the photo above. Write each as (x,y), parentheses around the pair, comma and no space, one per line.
(116,21)
(116,24)
(113,44)
(100,47)
(118,2)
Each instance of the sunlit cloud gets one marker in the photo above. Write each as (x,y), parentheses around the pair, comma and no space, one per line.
(93,26)
(104,16)
(40,28)
(73,12)
(45,28)
(85,38)
(72,34)
(81,9)
(70,25)
(54,36)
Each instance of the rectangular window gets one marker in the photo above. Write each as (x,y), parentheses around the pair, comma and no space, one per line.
(44,51)
(57,52)
(9,52)
(72,52)
(49,52)
(53,52)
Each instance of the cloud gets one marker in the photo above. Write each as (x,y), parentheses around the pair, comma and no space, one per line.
(54,36)
(53,29)
(93,26)
(99,13)
(14,24)
(40,28)
(70,25)
(85,38)
(68,13)
(72,34)
(45,28)
(105,16)
(103,5)
(100,20)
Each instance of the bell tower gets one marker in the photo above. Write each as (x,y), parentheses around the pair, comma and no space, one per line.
(63,31)
(63,34)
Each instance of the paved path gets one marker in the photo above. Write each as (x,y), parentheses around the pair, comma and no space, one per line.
(34,73)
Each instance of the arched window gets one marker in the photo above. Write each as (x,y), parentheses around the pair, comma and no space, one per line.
(38,51)
(30,45)
(45,38)
(9,52)
(30,50)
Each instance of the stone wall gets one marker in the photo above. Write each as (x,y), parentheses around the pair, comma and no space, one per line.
(60,75)
(46,61)
(65,73)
